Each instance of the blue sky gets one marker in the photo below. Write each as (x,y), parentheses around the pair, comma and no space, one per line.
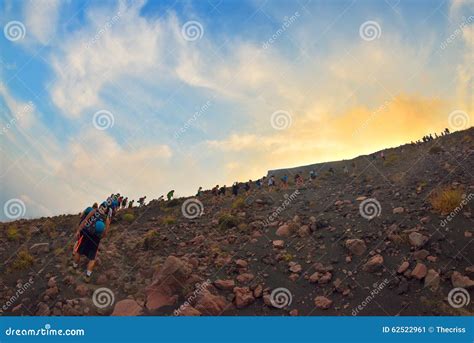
(191,110)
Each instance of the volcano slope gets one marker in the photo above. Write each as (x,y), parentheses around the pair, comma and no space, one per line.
(390,237)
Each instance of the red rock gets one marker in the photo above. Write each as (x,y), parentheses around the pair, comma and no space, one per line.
(416,239)
(459,280)
(467,234)
(374,264)
(243,297)
(82,290)
(283,231)
(403,267)
(356,246)
(294,313)
(432,280)
(398,210)
(52,291)
(52,282)
(127,307)
(295,268)
(279,244)
(258,291)
(211,305)
(245,278)
(432,259)
(225,284)
(322,302)
(167,283)
(421,254)
(419,272)
(304,231)
(293,277)
(43,309)
(241,263)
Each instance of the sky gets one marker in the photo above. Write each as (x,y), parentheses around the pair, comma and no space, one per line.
(140,97)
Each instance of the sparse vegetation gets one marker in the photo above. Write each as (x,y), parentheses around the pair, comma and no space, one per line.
(445,200)
(238,203)
(390,160)
(151,240)
(24,260)
(228,221)
(128,217)
(12,233)
(168,220)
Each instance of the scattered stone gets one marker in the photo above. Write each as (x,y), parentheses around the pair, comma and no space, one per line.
(421,254)
(211,305)
(241,263)
(398,210)
(225,284)
(295,268)
(188,311)
(416,239)
(403,267)
(374,264)
(459,280)
(356,246)
(419,272)
(127,307)
(245,277)
(243,297)
(432,280)
(294,313)
(283,231)
(322,302)
(82,290)
(279,244)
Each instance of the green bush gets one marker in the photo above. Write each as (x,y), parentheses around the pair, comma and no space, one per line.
(128,217)
(24,260)
(12,233)
(168,220)
(228,221)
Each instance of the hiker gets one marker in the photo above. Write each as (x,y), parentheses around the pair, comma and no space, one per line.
(222,190)
(87,211)
(346,170)
(271,182)
(312,174)
(124,202)
(331,170)
(298,180)
(258,183)
(89,233)
(446,131)
(215,190)
(170,195)
(199,192)
(247,186)
(284,181)
(382,155)
(130,204)
(235,189)
(141,201)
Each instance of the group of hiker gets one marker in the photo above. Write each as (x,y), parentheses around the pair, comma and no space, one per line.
(429,138)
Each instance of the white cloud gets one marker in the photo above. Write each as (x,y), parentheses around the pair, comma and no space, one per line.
(41,18)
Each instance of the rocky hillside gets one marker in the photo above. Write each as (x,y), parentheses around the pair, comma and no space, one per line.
(389,237)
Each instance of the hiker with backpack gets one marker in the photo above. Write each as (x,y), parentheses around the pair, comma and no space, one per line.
(170,195)
(90,231)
